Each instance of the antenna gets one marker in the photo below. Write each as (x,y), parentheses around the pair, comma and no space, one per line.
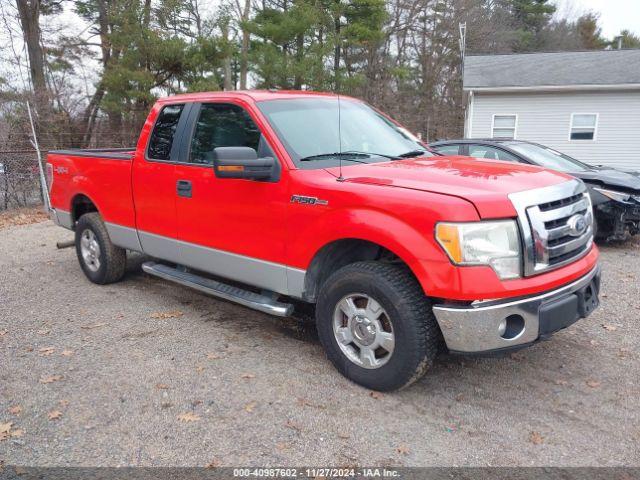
(340,177)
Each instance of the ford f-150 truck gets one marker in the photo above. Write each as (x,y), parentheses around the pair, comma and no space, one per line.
(270,199)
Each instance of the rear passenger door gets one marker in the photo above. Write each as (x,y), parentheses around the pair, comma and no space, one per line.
(153,178)
(234,228)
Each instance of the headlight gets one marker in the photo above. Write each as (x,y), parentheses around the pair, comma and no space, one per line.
(613,195)
(494,243)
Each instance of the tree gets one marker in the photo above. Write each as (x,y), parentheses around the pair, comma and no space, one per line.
(589,32)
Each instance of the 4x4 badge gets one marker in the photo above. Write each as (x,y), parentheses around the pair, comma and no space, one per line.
(308,200)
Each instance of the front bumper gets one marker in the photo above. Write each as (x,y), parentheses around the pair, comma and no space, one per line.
(505,324)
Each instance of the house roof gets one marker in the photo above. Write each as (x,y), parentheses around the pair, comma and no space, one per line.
(599,68)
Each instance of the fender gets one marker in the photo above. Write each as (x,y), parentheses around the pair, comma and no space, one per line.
(417,250)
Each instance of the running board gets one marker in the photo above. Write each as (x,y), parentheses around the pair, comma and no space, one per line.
(261,302)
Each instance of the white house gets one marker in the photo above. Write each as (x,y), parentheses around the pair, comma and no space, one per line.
(584,104)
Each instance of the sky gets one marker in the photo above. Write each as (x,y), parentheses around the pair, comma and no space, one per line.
(615,15)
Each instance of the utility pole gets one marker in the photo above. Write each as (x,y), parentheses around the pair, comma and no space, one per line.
(462,43)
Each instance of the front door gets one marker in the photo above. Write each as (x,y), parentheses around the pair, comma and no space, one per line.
(229,227)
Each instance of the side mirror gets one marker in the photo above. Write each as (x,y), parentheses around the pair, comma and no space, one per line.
(243,162)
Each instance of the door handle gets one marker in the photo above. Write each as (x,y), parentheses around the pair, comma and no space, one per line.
(183,188)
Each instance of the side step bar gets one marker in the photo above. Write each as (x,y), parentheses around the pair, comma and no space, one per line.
(261,302)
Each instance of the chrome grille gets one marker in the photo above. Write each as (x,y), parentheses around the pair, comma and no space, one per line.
(556,231)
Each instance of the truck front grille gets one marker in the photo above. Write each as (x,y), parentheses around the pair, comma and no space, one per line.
(557,231)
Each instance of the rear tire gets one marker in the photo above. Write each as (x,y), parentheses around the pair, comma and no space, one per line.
(101,261)
(377,307)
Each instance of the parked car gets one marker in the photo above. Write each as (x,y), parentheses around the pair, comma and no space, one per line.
(264,198)
(615,193)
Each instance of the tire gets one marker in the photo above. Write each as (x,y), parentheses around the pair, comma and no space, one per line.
(107,263)
(406,314)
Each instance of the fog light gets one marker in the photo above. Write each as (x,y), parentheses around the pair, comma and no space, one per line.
(513,327)
(502,327)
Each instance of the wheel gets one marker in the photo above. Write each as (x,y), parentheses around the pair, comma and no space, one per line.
(101,261)
(376,325)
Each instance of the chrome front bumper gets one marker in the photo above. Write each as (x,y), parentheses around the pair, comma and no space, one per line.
(496,325)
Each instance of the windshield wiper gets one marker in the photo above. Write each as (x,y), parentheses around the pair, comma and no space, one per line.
(413,153)
(348,156)
(373,154)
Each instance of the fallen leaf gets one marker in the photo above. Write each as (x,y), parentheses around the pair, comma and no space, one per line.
(90,327)
(536,438)
(593,342)
(15,410)
(5,427)
(303,402)
(293,426)
(162,386)
(213,356)
(593,383)
(344,436)
(43,332)
(199,369)
(376,395)
(16,433)
(51,379)
(3,333)
(46,351)
(54,414)
(559,381)
(66,353)
(609,328)
(163,315)
(249,407)
(215,463)
(403,450)
(64,403)
(247,375)
(459,397)
(282,446)
(188,417)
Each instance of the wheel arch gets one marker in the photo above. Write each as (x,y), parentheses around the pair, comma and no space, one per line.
(81,204)
(342,252)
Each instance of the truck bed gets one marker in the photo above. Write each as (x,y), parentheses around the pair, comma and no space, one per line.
(116,153)
(101,174)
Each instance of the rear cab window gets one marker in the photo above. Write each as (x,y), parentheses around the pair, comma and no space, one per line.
(164,130)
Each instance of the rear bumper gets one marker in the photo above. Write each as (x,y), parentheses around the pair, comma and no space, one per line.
(505,324)
(61,218)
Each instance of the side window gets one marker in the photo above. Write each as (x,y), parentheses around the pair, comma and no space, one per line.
(448,149)
(162,136)
(485,151)
(222,125)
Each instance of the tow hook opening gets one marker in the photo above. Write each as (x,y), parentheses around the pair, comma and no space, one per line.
(511,327)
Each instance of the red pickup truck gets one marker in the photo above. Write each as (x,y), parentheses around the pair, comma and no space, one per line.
(273,198)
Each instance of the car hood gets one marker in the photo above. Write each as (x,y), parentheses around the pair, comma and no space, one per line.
(611,177)
(485,183)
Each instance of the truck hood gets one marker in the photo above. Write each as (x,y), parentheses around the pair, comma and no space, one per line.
(485,183)
(611,178)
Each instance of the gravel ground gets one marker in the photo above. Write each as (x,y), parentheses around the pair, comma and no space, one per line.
(145,372)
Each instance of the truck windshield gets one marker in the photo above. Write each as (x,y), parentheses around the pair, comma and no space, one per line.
(549,158)
(324,130)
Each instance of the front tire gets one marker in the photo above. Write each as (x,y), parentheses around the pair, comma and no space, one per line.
(376,325)
(101,261)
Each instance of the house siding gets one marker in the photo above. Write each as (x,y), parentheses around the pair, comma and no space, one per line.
(546,118)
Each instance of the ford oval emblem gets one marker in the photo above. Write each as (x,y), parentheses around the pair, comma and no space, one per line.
(577,225)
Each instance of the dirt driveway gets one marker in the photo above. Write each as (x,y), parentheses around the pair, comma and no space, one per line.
(145,372)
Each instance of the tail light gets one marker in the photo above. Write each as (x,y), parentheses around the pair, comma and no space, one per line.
(49,176)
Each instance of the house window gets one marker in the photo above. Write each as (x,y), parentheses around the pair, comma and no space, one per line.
(504,126)
(583,126)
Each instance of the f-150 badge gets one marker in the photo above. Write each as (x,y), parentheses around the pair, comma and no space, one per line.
(308,200)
